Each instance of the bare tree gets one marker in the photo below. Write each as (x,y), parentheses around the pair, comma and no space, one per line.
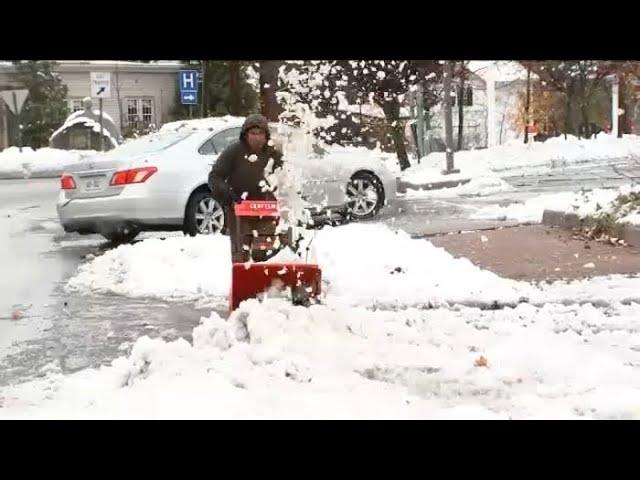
(577,80)
(385,82)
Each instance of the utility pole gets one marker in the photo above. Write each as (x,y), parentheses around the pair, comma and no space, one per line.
(448,125)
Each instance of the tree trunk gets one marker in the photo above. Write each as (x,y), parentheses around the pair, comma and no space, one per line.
(269,106)
(568,123)
(585,120)
(234,88)
(527,107)
(391,109)
(461,110)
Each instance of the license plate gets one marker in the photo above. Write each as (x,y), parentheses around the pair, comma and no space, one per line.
(94,184)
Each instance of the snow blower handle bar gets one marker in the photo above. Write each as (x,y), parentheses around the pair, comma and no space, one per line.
(257,208)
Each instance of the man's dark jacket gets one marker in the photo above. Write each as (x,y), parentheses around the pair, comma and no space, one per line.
(237,171)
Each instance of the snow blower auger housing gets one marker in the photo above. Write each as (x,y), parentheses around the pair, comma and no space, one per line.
(256,222)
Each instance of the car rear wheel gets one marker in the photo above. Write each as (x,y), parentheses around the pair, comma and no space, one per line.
(204,216)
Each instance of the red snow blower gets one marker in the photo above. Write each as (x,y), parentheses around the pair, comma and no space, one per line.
(256,238)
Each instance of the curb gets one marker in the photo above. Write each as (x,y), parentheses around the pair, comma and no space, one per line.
(422,236)
(402,186)
(554,218)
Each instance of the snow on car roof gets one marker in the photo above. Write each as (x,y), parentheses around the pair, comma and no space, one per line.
(210,124)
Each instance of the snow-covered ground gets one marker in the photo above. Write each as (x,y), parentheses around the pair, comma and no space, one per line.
(273,360)
(41,163)
(516,158)
(372,349)
(366,265)
(581,203)
(370,266)
(477,186)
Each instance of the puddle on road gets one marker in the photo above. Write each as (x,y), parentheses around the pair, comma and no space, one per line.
(86,331)
(89,331)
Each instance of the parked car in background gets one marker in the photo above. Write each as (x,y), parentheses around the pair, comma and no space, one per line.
(159,182)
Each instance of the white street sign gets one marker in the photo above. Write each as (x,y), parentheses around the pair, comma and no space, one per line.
(14,99)
(101,84)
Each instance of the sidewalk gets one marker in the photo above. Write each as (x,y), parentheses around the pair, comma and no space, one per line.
(538,253)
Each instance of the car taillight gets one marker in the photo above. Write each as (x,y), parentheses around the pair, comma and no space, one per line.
(67,182)
(134,175)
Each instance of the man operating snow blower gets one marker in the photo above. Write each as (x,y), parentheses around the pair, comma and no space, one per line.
(239,182)
(240,173)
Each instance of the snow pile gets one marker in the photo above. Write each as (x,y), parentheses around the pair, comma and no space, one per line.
(362,265)
(515,157)
(87,122)
(373,265)
(368,265)
(41,163)
(176,268)
(581,203)
(274,360)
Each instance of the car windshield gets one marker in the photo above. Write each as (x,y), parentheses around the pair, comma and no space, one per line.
(150,143)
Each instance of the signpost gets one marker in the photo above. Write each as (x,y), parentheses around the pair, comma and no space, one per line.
(188,82)
(15,100)
(101,88)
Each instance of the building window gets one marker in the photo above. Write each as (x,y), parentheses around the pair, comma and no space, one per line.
(75,105)
(139,112)
(147,111)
